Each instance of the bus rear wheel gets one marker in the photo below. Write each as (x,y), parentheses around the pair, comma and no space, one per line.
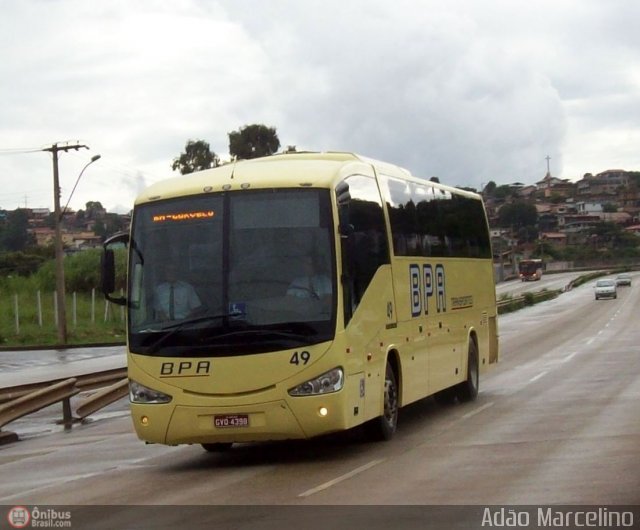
(468,390)
(384,427)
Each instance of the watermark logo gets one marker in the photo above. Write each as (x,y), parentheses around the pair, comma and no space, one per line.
(23,517)
(558,517)
(19,517)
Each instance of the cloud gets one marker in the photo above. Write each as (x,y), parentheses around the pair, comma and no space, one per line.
(425,88)
(468,91)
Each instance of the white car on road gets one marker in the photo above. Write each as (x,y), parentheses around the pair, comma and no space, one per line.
(606,288)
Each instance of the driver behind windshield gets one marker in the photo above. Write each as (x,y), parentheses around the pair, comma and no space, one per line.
(174,298)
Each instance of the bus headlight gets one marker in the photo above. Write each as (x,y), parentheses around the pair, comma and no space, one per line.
(141,394)
(331,381)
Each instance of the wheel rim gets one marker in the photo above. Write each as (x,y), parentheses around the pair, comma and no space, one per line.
(390,399)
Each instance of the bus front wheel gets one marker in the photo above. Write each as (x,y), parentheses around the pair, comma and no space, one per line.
(384,427)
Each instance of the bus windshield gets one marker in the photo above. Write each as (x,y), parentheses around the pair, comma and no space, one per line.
(530,269)
(232,273)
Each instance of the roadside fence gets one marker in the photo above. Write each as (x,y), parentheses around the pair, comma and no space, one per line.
(40,309)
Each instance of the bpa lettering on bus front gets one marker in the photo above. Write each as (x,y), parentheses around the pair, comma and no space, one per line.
(185,369)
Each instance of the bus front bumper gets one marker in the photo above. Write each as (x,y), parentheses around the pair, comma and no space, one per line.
(297,418)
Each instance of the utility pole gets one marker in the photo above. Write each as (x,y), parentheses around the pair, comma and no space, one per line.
(60,289)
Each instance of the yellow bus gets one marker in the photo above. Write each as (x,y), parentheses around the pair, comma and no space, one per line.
(301,294)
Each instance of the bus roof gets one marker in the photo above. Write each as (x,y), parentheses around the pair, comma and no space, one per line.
(290,170)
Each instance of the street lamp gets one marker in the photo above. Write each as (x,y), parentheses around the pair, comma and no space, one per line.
(93,159)
(60,290)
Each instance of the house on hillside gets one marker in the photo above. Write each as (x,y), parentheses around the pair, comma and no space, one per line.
(607,183)
(45,236)
(551,186)
(589,208)
(619,218)
(75,241)
(557,239)
(634,229)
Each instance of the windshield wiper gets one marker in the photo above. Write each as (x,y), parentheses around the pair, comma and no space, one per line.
(265,332)
(174,328)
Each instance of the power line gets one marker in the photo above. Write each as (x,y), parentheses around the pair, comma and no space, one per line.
(22,192)
(20,150)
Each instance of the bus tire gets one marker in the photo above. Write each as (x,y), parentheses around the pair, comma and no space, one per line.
(216,447)
(384,427)
(468,390)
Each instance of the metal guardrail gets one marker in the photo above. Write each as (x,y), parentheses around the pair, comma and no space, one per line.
(523,299)
(19,401)
(83,382)
(545,294)
(37,400)
(102,398)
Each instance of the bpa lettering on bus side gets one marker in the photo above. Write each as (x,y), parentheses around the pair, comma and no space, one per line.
(426,284)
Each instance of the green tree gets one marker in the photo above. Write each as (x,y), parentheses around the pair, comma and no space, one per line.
(490,188)
(109,225)
(612,235)
(517,215)
(14,235)
(253,141)
(81,271)
(94,210)
(504,191)
(20,263)
(528,233)
(196,157)
(100,229)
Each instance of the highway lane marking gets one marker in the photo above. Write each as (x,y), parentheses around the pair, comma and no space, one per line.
(536,377)
(52,483)
(342,478)
(569,357)
(478,410)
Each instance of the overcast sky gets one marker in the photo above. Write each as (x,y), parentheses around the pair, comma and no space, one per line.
(469,91)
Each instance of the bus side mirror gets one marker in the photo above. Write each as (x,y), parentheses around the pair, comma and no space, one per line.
(108,268)
(108,272)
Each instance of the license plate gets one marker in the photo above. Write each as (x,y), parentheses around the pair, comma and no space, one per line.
(223,421)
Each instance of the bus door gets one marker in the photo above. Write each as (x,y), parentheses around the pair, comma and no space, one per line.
(365,277)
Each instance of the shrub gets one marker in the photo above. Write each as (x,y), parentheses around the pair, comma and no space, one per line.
(81,271)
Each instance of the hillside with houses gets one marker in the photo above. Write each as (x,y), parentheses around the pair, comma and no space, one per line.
(595,218)
(35,227)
